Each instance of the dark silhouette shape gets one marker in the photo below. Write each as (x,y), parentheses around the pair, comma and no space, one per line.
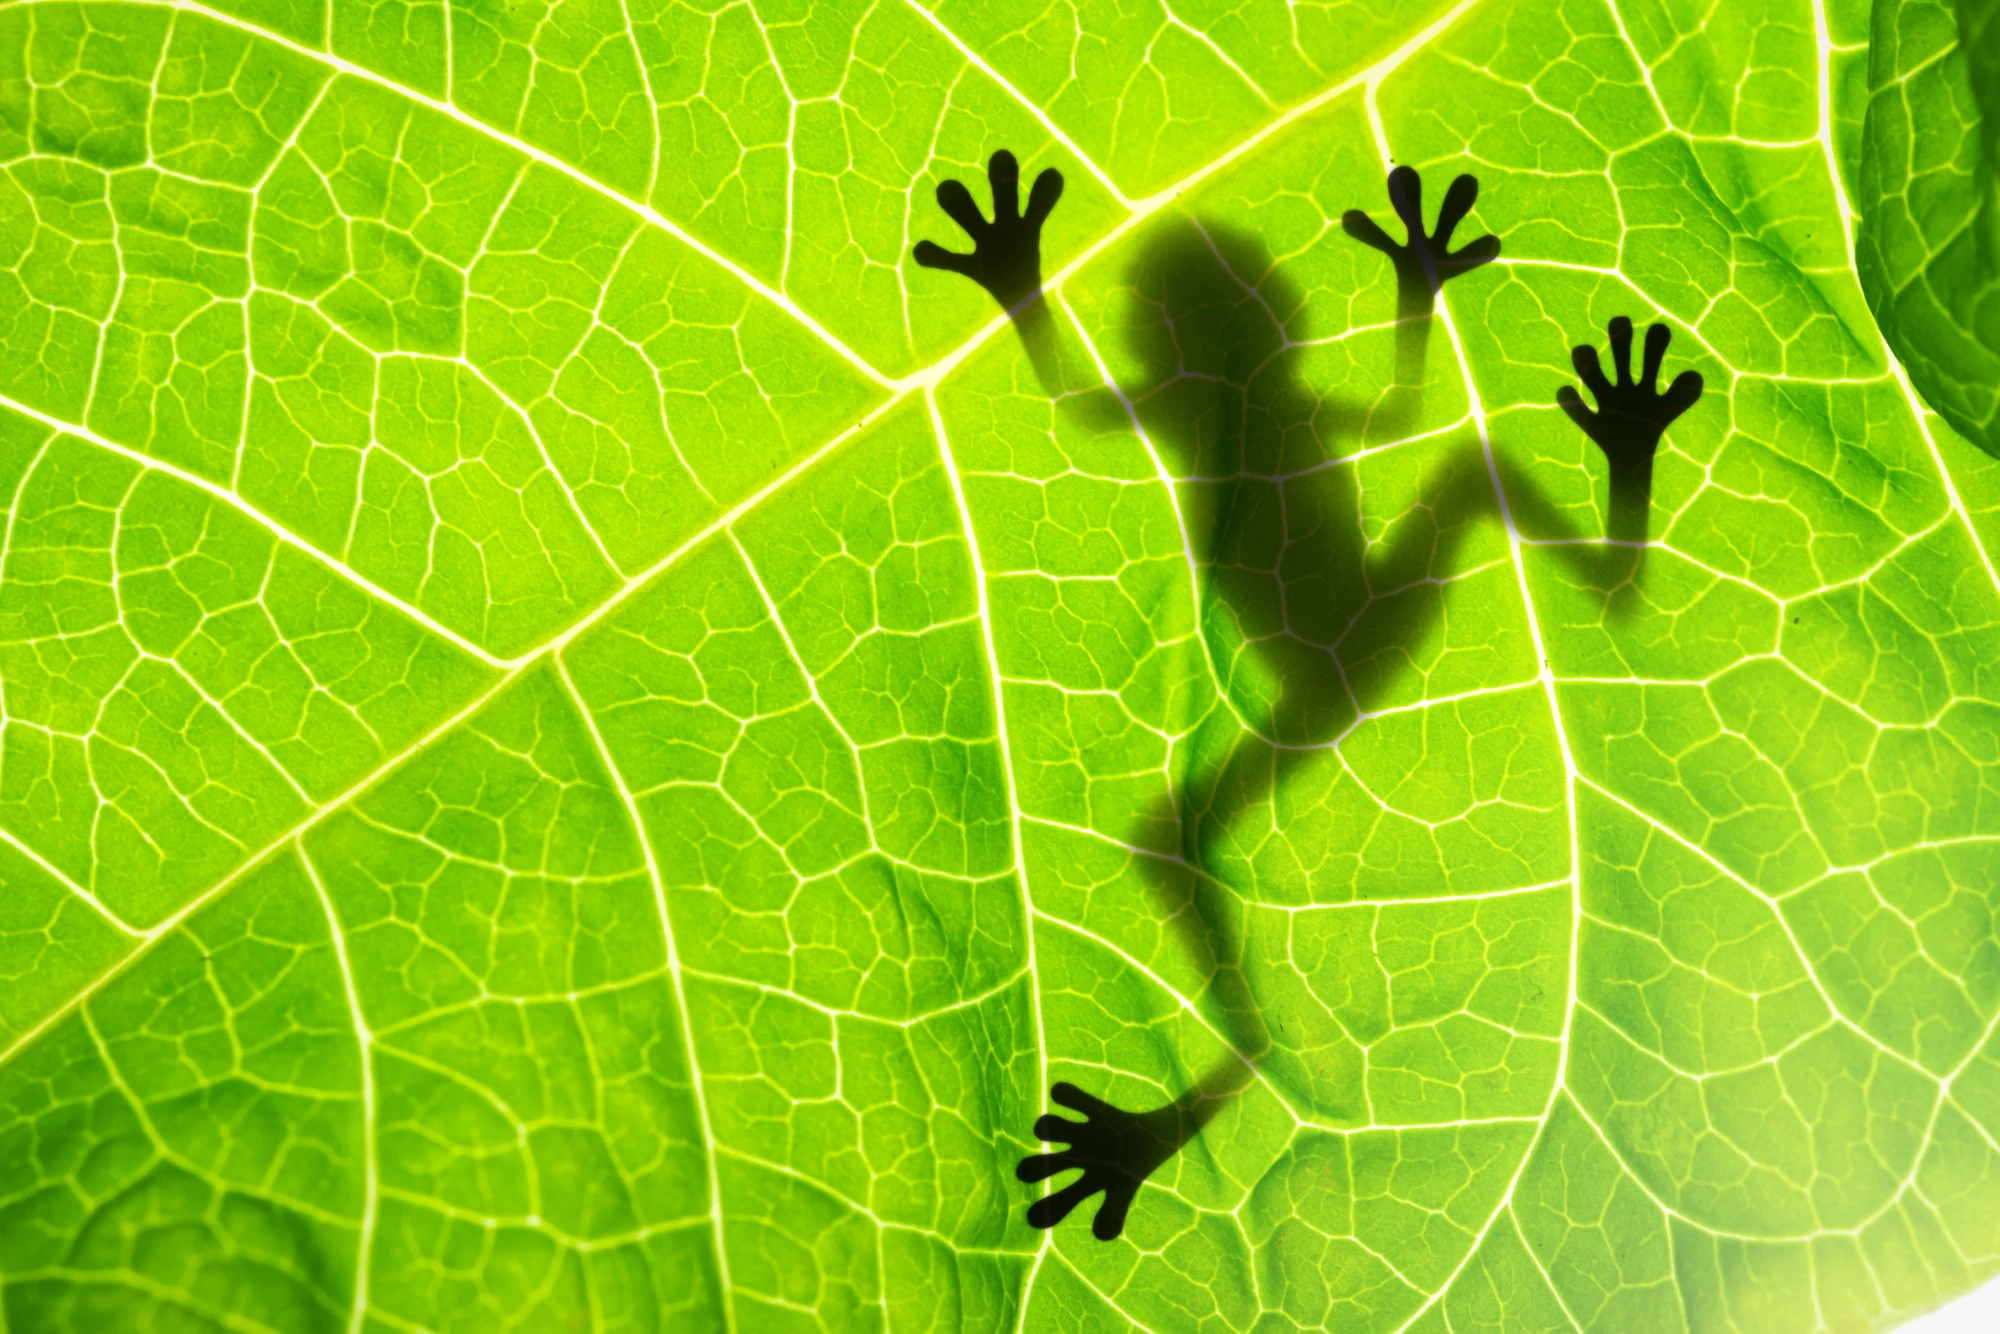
(1116,1149)
(1424,261)
(1630,419)
(1006,260)
(1610,568)
(1006,256)
(1628,427)
(1285,579)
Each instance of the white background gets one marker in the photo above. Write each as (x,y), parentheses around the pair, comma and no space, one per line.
(1975,1313)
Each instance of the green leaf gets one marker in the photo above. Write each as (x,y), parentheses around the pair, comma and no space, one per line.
(582,740)
(1929,246)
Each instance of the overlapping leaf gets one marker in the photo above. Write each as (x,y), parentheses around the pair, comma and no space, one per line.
(583,739)
(1929,248)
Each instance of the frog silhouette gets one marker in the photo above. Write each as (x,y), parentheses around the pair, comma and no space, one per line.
(1306,621)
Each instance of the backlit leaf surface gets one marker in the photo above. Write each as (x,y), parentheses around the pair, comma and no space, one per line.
(582,740)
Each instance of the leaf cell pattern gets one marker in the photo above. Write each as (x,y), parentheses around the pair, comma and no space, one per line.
(581,741)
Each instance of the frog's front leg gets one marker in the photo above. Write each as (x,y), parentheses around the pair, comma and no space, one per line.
(1631,417)
(1006,256)
(1425,260)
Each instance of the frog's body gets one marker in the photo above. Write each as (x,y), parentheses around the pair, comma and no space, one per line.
(1252,441)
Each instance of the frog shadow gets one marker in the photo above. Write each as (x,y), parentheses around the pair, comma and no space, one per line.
(1311,612)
